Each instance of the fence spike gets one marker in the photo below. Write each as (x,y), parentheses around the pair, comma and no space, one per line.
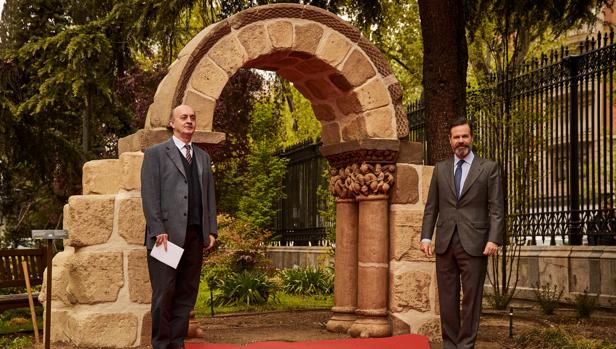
(592,43)
(599,39)
(566,53)
(611,36)
(586,45)
(605,39)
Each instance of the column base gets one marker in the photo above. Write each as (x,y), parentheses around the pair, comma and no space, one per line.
(340,322)
(371,327)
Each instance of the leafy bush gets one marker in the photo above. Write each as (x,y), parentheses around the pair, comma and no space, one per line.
(20,342)
(307,281)
(585,304)
(557,338)
(245,288)
(548,297)
(239,247)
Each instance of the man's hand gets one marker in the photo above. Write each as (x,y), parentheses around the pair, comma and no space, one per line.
(426,249)
(162,239)
(491,249)
(211,244)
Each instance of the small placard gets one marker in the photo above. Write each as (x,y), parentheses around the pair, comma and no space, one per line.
(50,234)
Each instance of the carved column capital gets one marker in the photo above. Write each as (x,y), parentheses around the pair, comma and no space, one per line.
(362,181)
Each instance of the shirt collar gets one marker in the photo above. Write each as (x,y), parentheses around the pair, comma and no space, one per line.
(468,159)
(179,143)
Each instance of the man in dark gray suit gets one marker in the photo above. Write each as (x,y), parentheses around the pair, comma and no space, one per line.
(177,190)
(465,201)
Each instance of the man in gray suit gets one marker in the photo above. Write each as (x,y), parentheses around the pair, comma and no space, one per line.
(177,190)
(465,202)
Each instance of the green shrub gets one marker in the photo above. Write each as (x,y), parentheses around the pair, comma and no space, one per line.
(245,288)
(557,338)
(307,281)
(240,246)
(585,304)
(548,297)
(20,342)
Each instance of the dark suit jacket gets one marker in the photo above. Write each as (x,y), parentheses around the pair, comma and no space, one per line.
(478,215)
(164,193)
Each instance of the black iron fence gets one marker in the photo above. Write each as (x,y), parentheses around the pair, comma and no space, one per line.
(551,126)
(298,221)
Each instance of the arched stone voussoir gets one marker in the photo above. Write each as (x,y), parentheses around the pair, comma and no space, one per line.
(255,40)
(164,98)
(208,78)
(204,108)
(228,54)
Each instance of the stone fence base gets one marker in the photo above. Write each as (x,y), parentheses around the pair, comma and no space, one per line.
(283,257)
(572,268)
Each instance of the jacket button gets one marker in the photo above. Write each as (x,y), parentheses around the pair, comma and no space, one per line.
(184,213)
(185,197)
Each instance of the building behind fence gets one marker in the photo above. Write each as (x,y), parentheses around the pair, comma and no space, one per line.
(551,126)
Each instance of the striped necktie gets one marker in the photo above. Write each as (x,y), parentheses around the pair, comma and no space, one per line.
(188,156)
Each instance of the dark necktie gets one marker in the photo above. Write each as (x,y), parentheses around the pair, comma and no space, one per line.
(188,156)
(457,178)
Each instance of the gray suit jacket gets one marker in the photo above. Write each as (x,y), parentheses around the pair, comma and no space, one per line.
(478,215)
(164,193)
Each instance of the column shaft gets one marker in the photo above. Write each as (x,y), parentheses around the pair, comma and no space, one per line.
(373,268)
(345,283)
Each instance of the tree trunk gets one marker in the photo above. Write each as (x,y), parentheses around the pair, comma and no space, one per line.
(444,70)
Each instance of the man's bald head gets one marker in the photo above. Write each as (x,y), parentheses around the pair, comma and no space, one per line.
(183,122)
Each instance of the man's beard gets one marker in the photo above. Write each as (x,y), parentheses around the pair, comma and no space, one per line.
(462,150)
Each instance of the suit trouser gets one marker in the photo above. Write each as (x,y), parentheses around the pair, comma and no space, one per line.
(453,266)
(174,293)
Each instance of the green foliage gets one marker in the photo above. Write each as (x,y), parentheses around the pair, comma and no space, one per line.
(396,32)
(284,302)
(327,211)
(300,123)
(239,247)
(585,304)
(18,342)
(548,297)
(307,281)
(557,338)
(246,288)
(265,171)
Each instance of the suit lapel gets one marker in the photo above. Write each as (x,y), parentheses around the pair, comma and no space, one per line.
(449,176)
(174,155)
(473,174)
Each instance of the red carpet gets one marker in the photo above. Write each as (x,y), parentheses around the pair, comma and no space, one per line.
(407,341)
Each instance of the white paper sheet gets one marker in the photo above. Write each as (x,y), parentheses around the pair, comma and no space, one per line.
(171,257)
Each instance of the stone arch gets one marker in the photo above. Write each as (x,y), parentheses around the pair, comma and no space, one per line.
(352,89)
(382,285)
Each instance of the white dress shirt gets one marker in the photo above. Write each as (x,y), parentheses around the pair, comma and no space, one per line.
(180,145)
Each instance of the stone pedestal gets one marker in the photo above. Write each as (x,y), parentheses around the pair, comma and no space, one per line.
(345,295)
(373,268)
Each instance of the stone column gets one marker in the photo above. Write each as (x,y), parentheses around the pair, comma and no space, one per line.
(372,186)
(345,284)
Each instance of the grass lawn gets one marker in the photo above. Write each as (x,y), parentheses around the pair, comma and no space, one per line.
(282,301)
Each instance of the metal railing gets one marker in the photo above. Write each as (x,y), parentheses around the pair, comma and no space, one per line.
(550,125)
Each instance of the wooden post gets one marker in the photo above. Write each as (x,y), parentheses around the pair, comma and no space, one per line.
(48,295)
(31,301)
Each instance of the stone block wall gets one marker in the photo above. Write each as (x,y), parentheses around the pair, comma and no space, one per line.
(413,298)
(572,268)
(100,288)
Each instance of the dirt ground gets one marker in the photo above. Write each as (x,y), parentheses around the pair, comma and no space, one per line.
(310,325)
